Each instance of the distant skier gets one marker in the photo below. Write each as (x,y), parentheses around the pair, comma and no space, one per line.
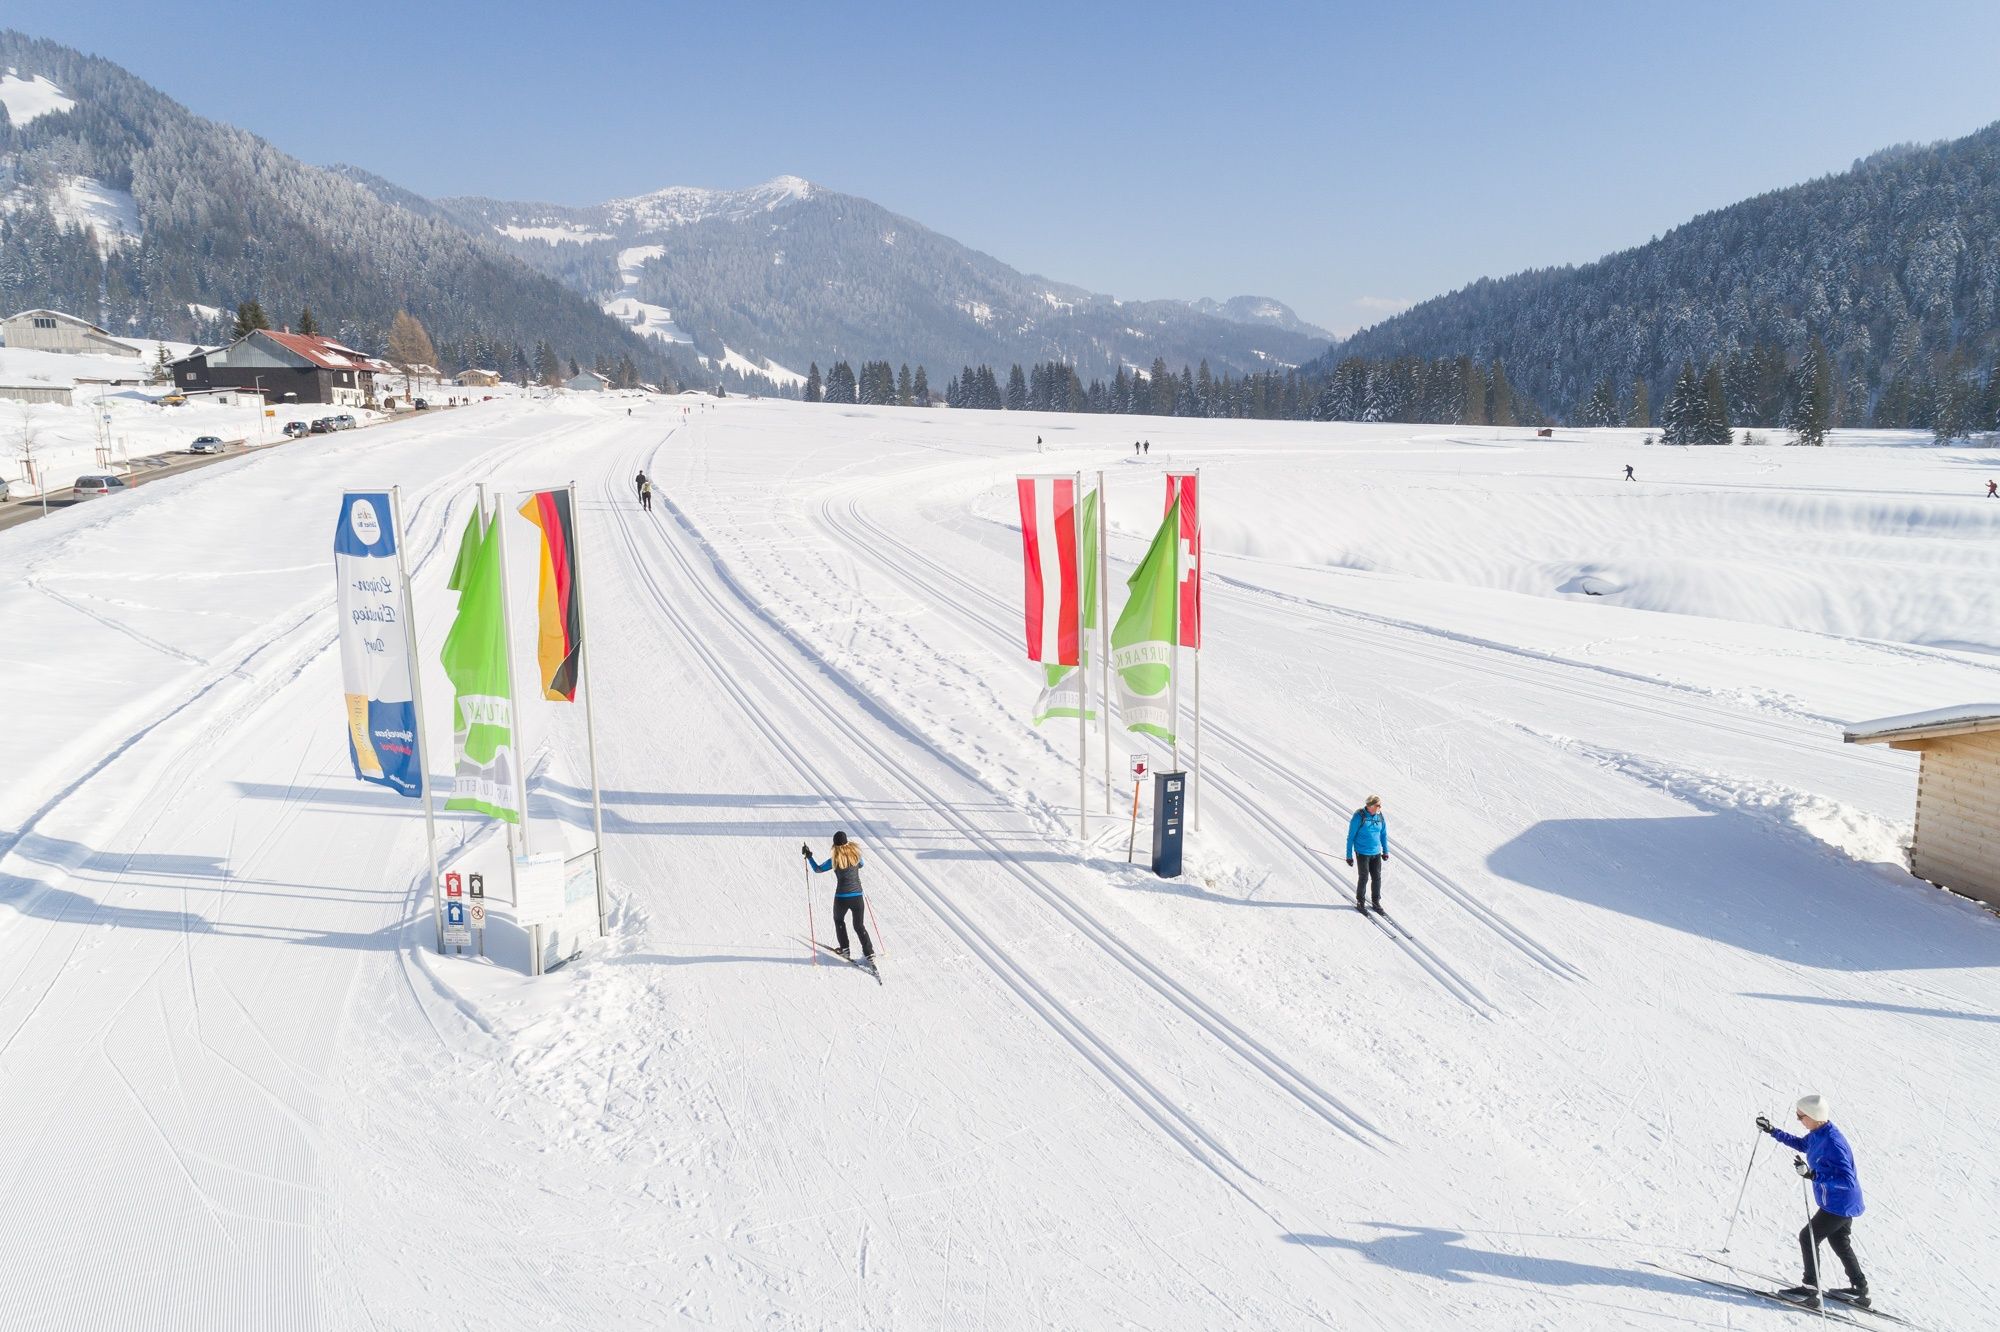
(1135,448)
(639,485)
(1149,446)
(1829,1164)
(1993,490)
(646,495)
(1628,473)
(845,862)
(1368,841)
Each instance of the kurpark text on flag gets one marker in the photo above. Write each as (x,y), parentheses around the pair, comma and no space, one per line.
(1182,486)
(1142,642)
(559,638)
(374,645)
(475,659)
(1063,686)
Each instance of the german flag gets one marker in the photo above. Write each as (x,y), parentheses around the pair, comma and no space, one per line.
(560,640)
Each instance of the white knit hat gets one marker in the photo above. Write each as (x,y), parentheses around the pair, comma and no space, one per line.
(1813,1106)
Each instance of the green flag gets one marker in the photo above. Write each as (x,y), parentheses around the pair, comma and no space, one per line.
(1142,642)
(468,548)
(475,658)
(1062,686)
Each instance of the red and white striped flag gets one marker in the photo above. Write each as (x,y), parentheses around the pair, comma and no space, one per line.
(1181,486)
(1049,552)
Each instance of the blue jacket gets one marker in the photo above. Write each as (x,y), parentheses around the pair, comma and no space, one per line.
(1367,835)
(847,882)
(1835,1186)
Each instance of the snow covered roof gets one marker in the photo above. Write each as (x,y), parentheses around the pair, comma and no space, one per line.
(1963,719)
(324,352)
(56,314)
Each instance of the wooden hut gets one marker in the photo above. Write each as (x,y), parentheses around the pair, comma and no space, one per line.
(1957,843)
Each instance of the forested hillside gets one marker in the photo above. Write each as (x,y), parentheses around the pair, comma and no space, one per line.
(130,210)
(1894,265)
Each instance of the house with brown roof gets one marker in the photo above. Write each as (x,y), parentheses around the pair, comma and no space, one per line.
(285,367)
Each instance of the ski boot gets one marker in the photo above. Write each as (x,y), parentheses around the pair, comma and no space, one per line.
(1804,1296)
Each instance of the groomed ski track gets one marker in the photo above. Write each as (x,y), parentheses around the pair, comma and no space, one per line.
(244,1093)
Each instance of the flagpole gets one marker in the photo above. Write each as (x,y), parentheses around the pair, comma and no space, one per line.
(1082,673)
(1174,670)
(1200,632)
(515,738)
(414,657)
(1104,633)
(589,695)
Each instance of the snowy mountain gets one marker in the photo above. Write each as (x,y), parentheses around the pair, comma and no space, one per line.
(1894,264)
(119,204)
(789,272)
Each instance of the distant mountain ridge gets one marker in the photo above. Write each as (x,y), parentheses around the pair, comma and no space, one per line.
(789,272)
(119,204)
(1894,264)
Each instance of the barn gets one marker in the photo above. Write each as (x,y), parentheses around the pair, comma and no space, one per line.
(52,330)
(589,381)
(1957,843)
(284,367)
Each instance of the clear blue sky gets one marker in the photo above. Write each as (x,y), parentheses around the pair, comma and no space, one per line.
(1341,157)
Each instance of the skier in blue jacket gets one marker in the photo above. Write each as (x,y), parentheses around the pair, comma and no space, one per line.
(1368,841)
(1829,1164)
(845,862)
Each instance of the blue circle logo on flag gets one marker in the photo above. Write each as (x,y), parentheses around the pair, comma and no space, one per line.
(366,523)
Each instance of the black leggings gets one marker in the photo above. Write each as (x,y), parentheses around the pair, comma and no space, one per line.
(1837,1231)
(1370,875)
(842,907)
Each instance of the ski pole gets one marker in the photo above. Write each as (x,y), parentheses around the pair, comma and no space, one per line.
(812,927)
(1745,1189)
(869,907)
(1812,1238)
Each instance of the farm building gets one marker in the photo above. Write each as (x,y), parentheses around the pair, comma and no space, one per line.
(587,382)
(54,331)
(476,378)
(284,367)
(1957,843)
(60,394)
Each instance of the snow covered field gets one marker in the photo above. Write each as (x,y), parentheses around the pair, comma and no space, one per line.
(1647,894)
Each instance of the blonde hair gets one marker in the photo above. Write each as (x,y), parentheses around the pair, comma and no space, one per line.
(846,856)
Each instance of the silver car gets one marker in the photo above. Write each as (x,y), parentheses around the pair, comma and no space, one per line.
(90,487)
(206,444)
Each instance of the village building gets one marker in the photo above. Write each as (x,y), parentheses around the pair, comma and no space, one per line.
(284,367)
(589,381)
(476,378)
(1957,842)
(54,331)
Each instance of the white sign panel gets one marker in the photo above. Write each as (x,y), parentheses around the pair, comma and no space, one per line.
(374,651)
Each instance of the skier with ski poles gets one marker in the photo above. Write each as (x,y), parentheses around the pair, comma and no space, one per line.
(646,494)
(1829,1164)
(1628,473)
(845,862)
(1368,839)
(639,486)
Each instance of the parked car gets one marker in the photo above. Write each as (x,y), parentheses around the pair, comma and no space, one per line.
(344,421)
(4,492)
(422,404)
(90,487)
(323,426)
(293,429)
(206,444)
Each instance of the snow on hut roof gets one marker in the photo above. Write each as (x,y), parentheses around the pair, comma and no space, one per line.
(324,352)
(1962,719)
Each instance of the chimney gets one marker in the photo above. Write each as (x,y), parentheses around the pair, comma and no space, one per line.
(288,328)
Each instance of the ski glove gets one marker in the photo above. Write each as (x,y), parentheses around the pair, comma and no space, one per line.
(1805,1171)
(1763,1124)
(1350,860)
(806,851)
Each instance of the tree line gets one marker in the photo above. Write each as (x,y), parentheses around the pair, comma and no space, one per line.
(1400,389)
